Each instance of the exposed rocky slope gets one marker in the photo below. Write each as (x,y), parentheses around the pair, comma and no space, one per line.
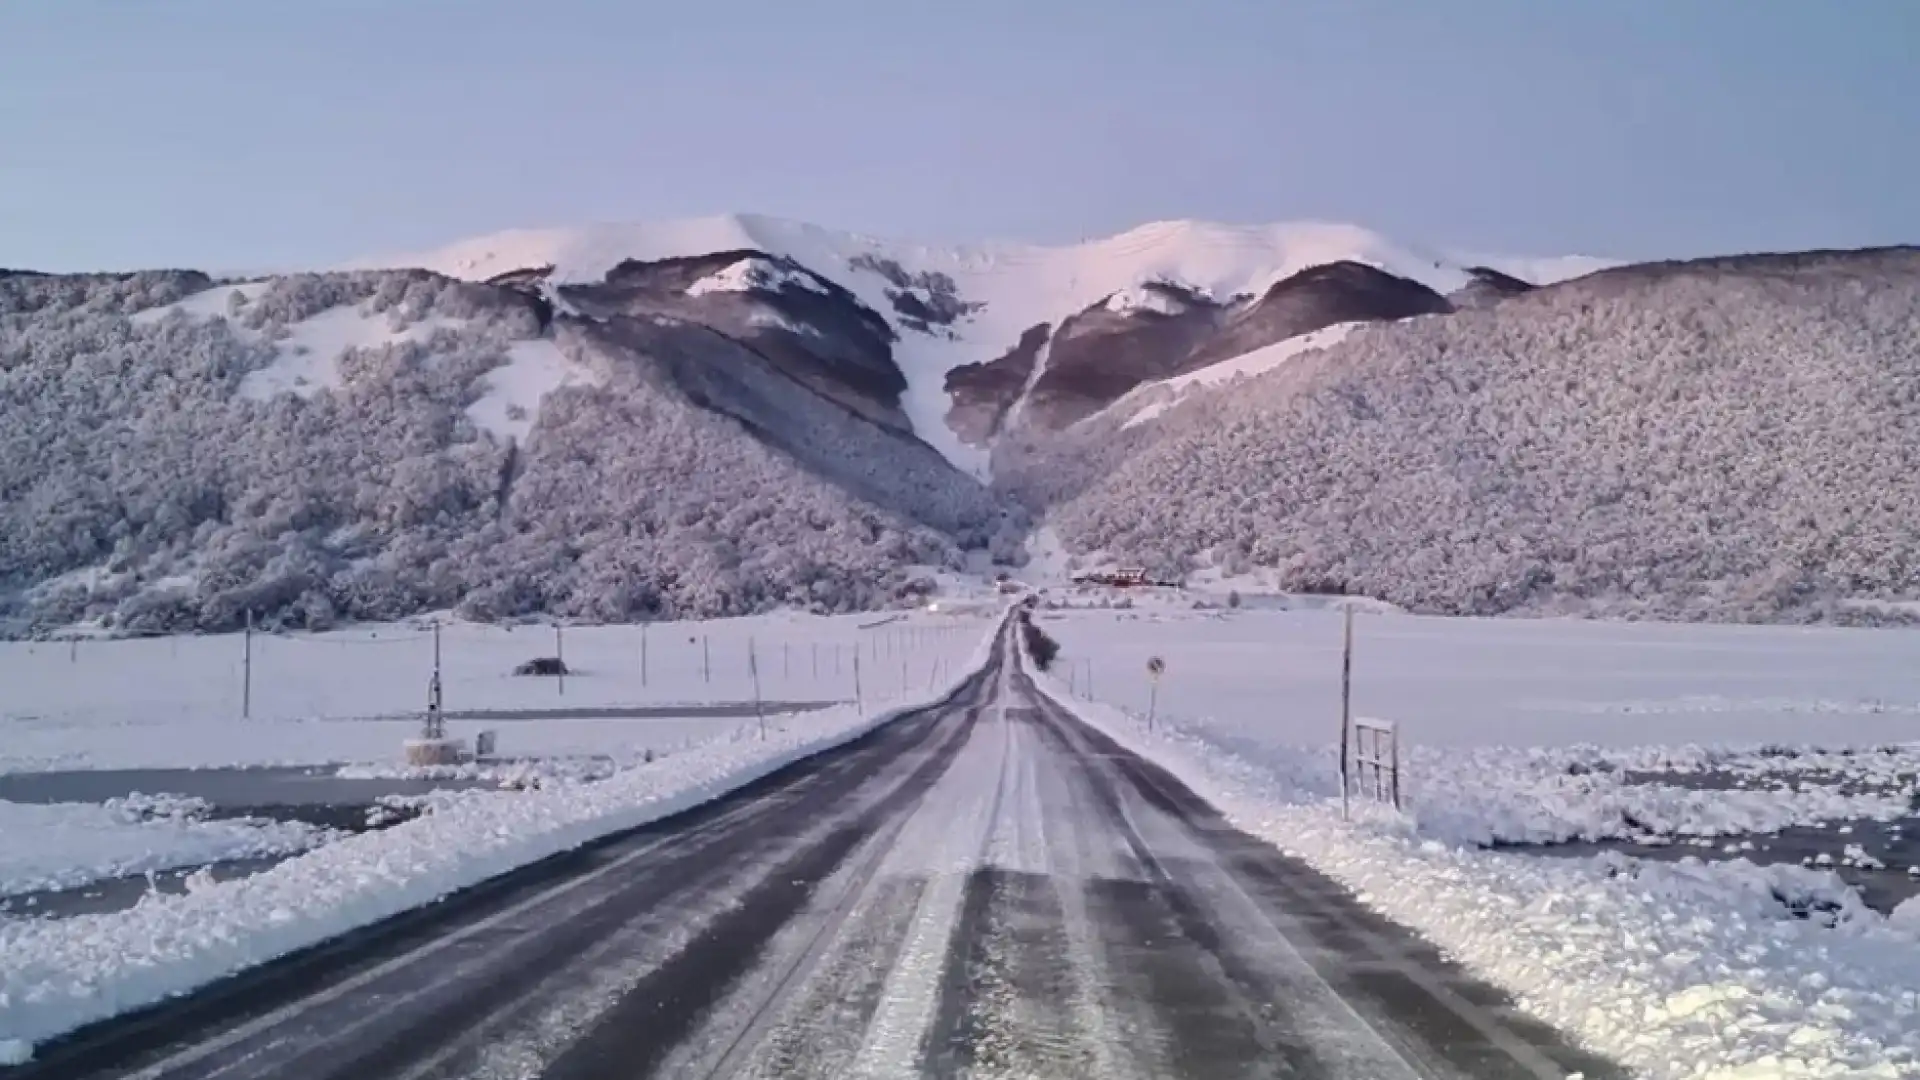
(1488,287)
(1162,330)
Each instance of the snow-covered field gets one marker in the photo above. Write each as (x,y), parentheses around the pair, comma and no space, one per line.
(1520,730)
(1275,676)
(177,702)
(61,974)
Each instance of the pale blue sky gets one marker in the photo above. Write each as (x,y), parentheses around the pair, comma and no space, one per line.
(276,133)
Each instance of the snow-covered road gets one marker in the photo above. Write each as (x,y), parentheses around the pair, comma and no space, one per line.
(989,887)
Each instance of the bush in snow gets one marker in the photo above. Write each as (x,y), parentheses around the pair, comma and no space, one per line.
(1040,645)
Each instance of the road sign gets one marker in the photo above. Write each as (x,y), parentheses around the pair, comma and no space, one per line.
(1155,666)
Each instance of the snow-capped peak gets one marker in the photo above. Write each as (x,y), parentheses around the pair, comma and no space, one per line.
(1006,287)
(753,273)
(1161,301)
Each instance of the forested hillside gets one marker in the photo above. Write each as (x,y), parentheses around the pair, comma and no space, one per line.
(728,415)
(364,446)
(1729,438)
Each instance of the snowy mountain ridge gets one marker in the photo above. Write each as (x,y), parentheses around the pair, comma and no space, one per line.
(597,424)
(1007,288)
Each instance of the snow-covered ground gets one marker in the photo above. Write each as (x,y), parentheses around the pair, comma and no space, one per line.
(59,975)
(177,702)
(307,359)
(1519,730)
(1020,285)
(533,370)
(67,844)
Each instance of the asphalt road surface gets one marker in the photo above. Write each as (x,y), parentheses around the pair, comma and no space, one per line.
(988,888)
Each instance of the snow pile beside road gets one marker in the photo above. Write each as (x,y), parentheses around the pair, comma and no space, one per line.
(1488,795)
(63,845)
(1676,970)
(61,975)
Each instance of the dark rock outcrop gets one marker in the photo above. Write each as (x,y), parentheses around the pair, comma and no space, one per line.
(1487,288)
(1101,353)
(923,301)
(1313,299)
(809,328)
(984,393)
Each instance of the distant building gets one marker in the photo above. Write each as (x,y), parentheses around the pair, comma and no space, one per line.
(1125,577)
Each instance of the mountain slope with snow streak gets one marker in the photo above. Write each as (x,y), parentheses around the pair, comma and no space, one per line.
(1151,399)
(1005,289)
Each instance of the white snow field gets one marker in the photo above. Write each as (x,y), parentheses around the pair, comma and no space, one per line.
(61,974)
(177,702)
(1020,285)
(1678,969)
(62,845)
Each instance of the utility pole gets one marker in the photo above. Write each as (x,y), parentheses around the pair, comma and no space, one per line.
(560,655)
(706,660)
(753,668)
(1346,708)
(436,721)
(246,670)
(859,698)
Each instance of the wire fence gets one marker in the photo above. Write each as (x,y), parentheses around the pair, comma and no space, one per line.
(388,672)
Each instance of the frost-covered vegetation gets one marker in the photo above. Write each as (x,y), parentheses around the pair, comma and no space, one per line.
(143,487)
(1731,438)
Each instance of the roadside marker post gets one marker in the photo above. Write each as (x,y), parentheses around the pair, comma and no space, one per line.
(1155,668)
(859,697)
(1346,713)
